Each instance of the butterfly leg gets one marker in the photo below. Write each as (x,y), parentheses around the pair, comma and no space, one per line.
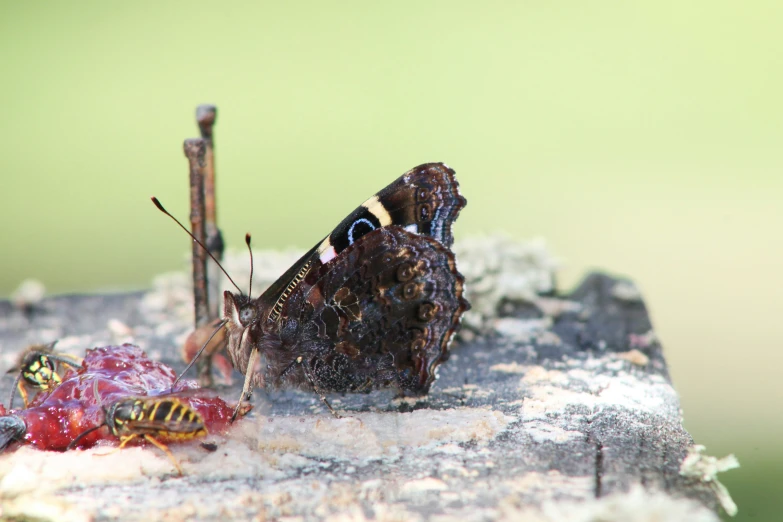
(246,391)
(165,449)
(309,378)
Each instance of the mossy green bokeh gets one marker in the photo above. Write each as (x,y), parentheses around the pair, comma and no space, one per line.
(639,137)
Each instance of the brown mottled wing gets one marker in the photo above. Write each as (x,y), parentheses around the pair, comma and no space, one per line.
(379,315)
(425,200)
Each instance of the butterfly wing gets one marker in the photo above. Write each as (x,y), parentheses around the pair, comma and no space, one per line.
(380,315)
(425,200)
(307,312)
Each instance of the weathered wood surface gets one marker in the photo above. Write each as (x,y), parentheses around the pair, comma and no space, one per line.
(557,408)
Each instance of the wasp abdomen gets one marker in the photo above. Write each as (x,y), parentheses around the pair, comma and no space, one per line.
(167,418)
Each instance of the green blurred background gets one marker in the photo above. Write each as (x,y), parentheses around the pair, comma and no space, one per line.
(643,138)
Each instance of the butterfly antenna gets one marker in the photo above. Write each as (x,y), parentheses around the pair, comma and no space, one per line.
(198,354)
(160,207)
(247,242)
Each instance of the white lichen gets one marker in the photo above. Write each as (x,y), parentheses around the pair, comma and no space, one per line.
(498,268)
(706,468)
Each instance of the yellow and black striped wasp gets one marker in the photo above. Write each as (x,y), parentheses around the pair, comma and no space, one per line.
(150,418)
(37,370)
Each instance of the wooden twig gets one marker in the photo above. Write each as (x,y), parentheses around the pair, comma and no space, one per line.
(206,116)
(195,151)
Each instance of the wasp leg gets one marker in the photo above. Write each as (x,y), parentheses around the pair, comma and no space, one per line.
(14,387)
(164,449)
(23,393)
(123,441)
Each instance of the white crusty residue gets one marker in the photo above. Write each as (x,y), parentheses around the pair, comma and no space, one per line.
(705,468)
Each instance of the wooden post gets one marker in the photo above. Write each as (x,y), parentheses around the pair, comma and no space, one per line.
(206,116)
(559,408)
(195,151)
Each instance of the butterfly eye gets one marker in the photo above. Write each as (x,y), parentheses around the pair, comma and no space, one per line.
(247,315)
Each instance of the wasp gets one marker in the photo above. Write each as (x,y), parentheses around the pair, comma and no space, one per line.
(151,418)
(37,369)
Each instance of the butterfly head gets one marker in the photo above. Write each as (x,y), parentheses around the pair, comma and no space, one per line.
(241,311)
(243,324)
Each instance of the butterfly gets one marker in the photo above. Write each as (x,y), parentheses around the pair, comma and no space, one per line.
(373,305)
